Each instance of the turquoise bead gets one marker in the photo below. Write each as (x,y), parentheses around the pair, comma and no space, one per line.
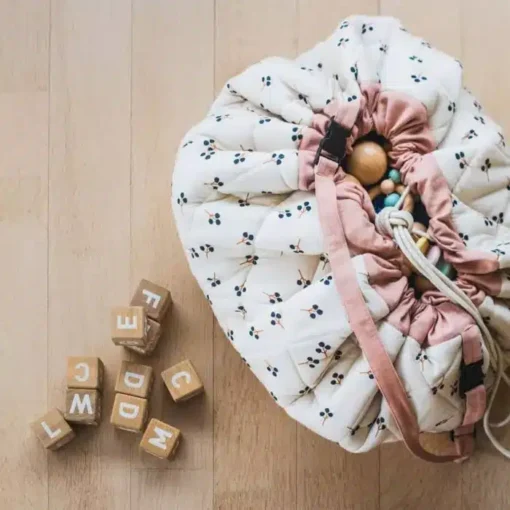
(391,199)
(394,175)
(447,269)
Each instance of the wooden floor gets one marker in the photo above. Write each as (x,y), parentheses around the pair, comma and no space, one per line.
(94,98)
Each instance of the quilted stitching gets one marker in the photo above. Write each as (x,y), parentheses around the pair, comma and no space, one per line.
(255,245)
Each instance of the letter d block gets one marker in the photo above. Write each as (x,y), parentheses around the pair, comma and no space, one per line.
(182,381)
(155,299)
(83,406)
(134,379)
(160,439)
(52,430)
(129,413)
(129,326)
(84,372)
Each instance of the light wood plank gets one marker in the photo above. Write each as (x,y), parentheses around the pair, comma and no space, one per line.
(254,441)
(328,477)
(260,460)
(317,19)
(486,37)
(439,486)
(158,489)
(171,91)
(24,57)
(436,25)
(247,32)
(89,264)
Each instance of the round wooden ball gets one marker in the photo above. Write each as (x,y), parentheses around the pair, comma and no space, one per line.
(422,284)
(374,192)
(408,204)
(434,254)
(387,186)
(368,162)
(420,226)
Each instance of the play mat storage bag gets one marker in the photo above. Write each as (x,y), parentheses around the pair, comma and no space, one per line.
(369,300)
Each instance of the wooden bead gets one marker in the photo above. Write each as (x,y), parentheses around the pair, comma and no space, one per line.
(446,268)
(160,439)
(391,200)
(83,406)
(182,381)
(129,326)
(400,188)
(423,245)
(368,162)
(394,175)
(422,284)
(387,186)
(134,379)
(420,226)
(129,413)
(84,372)
(434,254)
(155,299)
(52,430)
(374,192)
(408,204)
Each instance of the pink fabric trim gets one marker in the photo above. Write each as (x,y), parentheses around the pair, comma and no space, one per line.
(403,121)
(427,180)
(347,217)
(359,316)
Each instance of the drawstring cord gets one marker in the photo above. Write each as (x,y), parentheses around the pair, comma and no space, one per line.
(396,223)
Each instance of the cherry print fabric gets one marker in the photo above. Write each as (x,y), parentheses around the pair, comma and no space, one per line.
(254,242)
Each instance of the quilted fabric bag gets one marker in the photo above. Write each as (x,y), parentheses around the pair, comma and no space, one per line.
(310,284)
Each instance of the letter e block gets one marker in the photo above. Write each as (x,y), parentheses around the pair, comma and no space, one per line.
(129,326)
(129,413)
(84,372)
(83,406)
(154,331)
(134,379)
(52,430)
(182,381)
(155,299)
(160,439)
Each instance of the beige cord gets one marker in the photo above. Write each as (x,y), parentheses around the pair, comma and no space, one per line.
(398,224)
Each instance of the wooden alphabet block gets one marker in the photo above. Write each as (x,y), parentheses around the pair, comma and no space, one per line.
(155,299)
(154,331)
(160,439)
(84,372)
(83,406)
(52,430)
(182,381)
(129,413)
(129,326)
(134,379)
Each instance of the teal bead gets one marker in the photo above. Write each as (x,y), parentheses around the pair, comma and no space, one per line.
(391,199)
(447,269)
(394,175)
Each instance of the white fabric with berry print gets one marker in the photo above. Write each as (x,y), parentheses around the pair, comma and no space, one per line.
(250,198)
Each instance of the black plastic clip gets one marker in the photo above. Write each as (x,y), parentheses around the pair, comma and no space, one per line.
(333,143)
(471,376)
(453,436)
